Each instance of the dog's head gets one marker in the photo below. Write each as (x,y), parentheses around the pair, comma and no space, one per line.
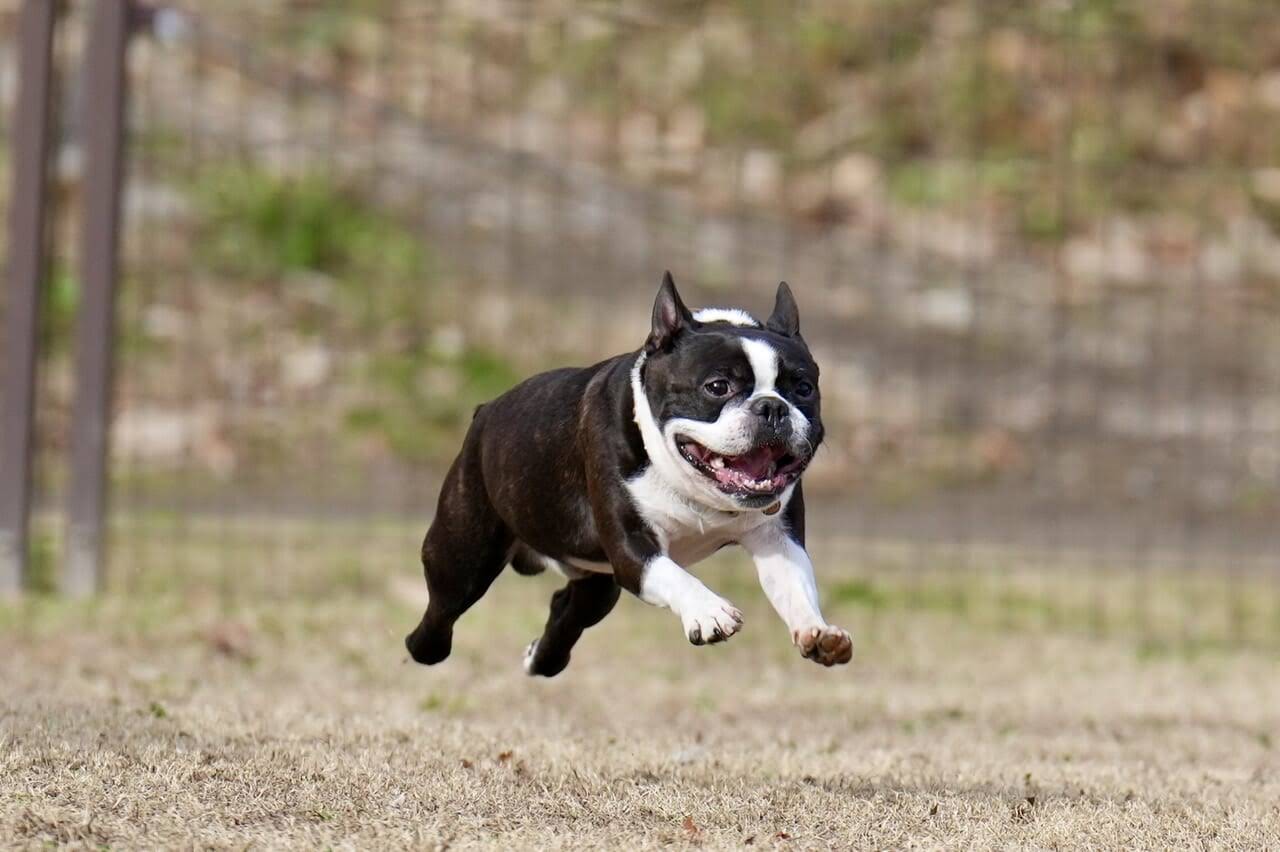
(728,406)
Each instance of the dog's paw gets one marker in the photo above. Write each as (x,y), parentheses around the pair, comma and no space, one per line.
(530,655)
(538,662)
(713,622)
(828,645)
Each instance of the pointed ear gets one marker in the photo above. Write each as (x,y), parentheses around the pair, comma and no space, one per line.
(785,318)
(670,316)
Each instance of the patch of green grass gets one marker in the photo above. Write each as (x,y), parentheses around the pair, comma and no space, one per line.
(427,398)
(43,559)
(308,579)
(1043,219)
(584,60)
(61,300)
(257,225)
(929,184)
(999,596)
(448,705)
(257,229)
(936,597)
(950,465)
(1185,648)
(860,592)
(1258,497)
(743,110)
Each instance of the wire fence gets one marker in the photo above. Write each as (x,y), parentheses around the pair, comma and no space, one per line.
(1037,254)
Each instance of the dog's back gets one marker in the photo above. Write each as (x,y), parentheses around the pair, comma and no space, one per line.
(545,456)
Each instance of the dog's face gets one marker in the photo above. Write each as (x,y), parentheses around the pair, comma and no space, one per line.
(730,413)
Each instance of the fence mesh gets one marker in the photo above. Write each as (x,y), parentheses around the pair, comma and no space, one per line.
(1037,253)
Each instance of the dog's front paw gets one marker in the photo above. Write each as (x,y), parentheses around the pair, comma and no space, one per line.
(713,622)
(827,644)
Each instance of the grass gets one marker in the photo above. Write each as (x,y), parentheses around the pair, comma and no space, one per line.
(263,227)
(325,270)
(418,419)
(244,684)
(258,226)
(935,83)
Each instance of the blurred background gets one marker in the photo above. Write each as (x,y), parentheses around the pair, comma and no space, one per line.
(1036,249)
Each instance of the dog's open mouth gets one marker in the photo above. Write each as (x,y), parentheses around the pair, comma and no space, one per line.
(764,470)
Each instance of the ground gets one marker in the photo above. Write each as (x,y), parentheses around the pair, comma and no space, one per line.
(281,711)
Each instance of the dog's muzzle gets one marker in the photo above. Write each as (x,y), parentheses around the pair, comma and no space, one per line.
(764,471)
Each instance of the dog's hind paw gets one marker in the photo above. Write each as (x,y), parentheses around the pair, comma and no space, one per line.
(542,664)
(428,645)
(827,644)
(529,654)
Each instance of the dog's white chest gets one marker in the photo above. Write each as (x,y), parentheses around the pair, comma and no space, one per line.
(690,532)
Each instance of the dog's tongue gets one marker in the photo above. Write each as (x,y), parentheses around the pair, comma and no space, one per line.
(754,464)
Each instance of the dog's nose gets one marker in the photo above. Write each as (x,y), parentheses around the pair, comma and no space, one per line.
(772,410)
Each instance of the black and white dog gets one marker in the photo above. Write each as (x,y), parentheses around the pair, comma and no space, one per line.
(621,474)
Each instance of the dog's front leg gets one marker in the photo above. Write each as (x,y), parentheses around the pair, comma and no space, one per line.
(786,575)
(642,567)
(707,617)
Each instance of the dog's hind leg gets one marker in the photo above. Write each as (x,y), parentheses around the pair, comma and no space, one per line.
(579,605)
(464,551)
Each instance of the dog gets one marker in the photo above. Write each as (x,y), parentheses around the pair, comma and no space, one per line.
(623,474)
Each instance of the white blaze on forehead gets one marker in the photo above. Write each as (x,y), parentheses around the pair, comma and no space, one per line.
(733,316)
(764,365)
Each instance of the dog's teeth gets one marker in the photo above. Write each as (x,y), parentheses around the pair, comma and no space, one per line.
(717,463)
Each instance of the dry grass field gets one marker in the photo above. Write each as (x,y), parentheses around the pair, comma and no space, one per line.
(278,710)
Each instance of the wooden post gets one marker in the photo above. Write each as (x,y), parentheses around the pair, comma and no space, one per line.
(103,127)
(29,194)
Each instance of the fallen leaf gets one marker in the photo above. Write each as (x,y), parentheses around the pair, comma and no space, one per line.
(782,835)
(466,764)
(504,756)
(690,827)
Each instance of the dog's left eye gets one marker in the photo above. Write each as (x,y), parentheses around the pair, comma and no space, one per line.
(804,390)
(718,387)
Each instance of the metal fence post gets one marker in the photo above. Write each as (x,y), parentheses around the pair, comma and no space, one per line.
(26,278)
(103,129)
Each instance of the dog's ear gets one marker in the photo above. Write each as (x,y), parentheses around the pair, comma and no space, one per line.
(785,318)
(670,317)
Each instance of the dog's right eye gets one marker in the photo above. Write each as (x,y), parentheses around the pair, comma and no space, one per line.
(718,387)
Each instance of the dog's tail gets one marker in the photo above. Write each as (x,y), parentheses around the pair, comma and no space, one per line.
(527,562)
